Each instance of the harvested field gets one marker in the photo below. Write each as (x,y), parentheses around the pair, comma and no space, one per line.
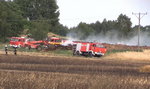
(46,70)
(59,72)
(129,55)
(145,69)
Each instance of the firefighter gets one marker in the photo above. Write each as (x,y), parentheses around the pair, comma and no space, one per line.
(6,49)
(15,50)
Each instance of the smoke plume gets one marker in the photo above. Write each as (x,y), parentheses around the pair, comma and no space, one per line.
(114,37)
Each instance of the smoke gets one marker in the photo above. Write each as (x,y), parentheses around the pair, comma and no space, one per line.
(144,39)
(67,42)
(114,37)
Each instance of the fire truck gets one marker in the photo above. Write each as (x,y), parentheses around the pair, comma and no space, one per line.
(54,41)
(17,42)
(31,43)
(89,49)
(50,43)
(24,42)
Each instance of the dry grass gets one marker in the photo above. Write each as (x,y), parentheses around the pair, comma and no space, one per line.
(145,55)
(145,69)
(41,80)
(37,80)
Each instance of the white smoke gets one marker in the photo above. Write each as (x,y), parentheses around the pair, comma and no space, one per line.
(67,42)
(70,40)
(114,37)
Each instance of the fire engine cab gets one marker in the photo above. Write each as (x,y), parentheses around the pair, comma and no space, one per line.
(17,41)
(54,41)
(89,49)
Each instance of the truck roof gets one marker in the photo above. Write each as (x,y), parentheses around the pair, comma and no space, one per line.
(86,42)
(17,38)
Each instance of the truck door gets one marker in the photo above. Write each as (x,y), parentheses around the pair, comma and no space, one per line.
(94,48)
(78,47)
(87,47)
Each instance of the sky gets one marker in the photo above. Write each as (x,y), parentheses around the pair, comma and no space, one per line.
(72,12)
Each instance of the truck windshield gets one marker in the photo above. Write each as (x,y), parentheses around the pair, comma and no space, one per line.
(31,39)
(100,46)
(55,40)
(58,40)
(13,39)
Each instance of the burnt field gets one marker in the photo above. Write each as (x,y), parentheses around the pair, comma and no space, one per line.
(31,72)
(123,47)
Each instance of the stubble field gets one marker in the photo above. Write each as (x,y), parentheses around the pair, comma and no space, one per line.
(62,72)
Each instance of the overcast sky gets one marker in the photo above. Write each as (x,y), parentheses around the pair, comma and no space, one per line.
(72,12)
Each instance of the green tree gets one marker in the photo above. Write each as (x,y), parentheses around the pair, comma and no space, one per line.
(97,27)
(40,10)
(124,24)
(84,30)
(11,21)
(39,30)
(60,30)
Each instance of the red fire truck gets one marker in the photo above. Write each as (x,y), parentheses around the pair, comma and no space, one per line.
(49,43)
(31,43)
(24,42)
(54,41)
(89,49)
(17,42)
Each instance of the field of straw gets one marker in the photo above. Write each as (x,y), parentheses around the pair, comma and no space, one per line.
(35,71)
(128,55)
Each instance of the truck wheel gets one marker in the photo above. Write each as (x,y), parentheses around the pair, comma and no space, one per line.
(52,47)
(28,47)
(19,46)
(45,47)
(77,53)
(90,54)
(39,48)
(98,55)
(74,53)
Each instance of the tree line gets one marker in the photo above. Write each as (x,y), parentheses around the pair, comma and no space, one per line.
(122,28)
(38,17)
